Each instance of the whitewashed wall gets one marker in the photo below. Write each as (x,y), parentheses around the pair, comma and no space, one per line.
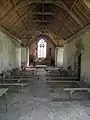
(18,57)
(59,56)
(68,54)
(70,49)
(25,55)
(9,57)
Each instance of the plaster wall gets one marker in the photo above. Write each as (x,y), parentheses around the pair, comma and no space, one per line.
(59,56)
(70,49)
(50,45)
(9,53)
(25,55)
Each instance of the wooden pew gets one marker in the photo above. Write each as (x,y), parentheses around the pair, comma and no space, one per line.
(57,81)
(14,84)
(73,90)
(11,79)
(3,91)
(62,78)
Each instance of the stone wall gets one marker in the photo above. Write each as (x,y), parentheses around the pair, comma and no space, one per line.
(70,50)
(9,53)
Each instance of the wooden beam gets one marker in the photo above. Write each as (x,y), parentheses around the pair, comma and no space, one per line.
(51,30)
(44,13)
(69,28)
(79,34)
(31,28)
(67,15)
(14,4)
(39,21)
(28,44)
(22,18)
(70,12)
(87,3)
(20,4)
(42,1)
(9,34)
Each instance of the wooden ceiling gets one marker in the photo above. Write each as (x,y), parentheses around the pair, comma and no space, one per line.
(28,19)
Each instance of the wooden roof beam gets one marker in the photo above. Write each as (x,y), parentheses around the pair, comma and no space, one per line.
(21,19)
(48,26)
(44,13)
(42,1)
(30,29)
(87,3)
(39,21)
(20,4)
(14,3)
(69,28)
(70,12)
(45,27)
(31,39)
(9,34)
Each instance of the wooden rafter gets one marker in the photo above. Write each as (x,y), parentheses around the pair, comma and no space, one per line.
(21,19)
(58,19)
(30,29)
(39,21)
(9,34)
(14,3)
(44,13)
(67,15)
(70,12)
(20,4)
(42,1)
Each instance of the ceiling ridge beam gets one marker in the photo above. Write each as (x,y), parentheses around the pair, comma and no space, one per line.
(42,1)
(44,13)
(37,20)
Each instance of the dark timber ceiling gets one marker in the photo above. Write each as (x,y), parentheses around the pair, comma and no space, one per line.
(26,19)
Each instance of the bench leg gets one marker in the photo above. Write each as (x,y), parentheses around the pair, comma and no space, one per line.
(22,87)
(71,93)
(70,96)
(5,96)
(38,77)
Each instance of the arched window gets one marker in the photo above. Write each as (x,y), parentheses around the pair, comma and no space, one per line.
(42,48)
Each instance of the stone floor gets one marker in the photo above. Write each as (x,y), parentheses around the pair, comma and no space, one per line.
(40,102)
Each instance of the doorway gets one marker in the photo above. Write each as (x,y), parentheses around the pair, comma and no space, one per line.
(79,65)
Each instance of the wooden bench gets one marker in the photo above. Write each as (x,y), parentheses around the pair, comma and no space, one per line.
(20,78)
(28,76)
(14,84)
(72,90)
(59,77)
(12,79)
(3,91)
(57,81)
